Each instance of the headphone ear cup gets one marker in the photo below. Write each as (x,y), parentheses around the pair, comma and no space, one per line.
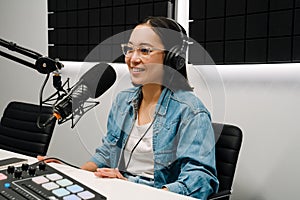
(174,58)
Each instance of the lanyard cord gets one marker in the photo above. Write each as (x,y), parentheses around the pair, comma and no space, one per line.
(156,113)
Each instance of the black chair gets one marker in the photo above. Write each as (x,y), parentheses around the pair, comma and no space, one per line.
(229,140)
(19,131)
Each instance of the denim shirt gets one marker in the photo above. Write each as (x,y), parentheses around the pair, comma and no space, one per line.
(183,141)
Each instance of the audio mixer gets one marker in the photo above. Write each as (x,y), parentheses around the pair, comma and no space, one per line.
(40,181)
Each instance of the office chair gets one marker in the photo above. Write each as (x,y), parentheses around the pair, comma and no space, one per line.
(229,140)
(19,131)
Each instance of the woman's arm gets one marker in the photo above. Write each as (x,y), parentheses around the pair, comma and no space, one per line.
(196,158)
(89,166)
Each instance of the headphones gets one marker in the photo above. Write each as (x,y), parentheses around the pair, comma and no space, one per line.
(175,56)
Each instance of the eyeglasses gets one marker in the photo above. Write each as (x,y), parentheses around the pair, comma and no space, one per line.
(143,51)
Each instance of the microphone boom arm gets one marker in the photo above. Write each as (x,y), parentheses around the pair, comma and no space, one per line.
(44,65)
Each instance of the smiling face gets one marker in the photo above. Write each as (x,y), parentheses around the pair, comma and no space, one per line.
(145,69)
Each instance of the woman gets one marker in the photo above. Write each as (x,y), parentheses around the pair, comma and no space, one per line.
(158,133)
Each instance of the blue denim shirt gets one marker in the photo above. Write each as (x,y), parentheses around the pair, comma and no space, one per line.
(183,141)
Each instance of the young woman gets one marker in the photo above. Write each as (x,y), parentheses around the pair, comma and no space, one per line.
(158,133)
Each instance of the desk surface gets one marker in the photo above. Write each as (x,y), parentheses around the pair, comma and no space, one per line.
(113,189)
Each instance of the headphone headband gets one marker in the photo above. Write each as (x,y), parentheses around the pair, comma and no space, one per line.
(175,56)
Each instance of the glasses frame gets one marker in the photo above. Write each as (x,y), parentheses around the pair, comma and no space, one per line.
(138,49)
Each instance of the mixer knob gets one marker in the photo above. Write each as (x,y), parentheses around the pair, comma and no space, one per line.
(42,166)
(25,166)
(10,169)
(31,171)
(18,174)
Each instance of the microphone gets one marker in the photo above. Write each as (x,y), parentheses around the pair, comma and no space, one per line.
(92,84)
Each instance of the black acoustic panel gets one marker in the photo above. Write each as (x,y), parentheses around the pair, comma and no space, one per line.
(234,52)
(106,16)
(160,9)
(94,17)
(132,2)
(72,36)
(105,53)
(61,19)
(82,4)
(197,9)
(257,25)
(280,4)
(132,14)
(235,7)
(105,33)
(145,11)
(297,3)
(94,4)
(61,36)
(72,19)
(52,21)
(257,6)
(94,35)
(83,18)
(82,52)
(61,5)
(93,55)
(216,51)
(297,22)
(130,26)
(72,53)
(51,5)
(62,52)
(214,29)
(71,4)
(79,25)
(256,51)
(235,27)
(118,15)
(279,49)
(215,8)
(52,51)
(281,23)
(83,36)
(106,3)
(118,2)
(118,29)
(197,54)
(296,49)
(52,37)
(197,30)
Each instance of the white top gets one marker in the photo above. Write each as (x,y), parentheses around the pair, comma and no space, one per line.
(142,159)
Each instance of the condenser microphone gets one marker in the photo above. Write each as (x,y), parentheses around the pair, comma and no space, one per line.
(92,84)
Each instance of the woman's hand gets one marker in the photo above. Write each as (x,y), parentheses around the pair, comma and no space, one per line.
(109,173)
(42,158)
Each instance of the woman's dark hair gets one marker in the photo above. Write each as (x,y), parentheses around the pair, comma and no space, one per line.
(173,36)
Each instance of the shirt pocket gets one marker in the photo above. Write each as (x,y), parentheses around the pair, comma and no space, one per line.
(165,158)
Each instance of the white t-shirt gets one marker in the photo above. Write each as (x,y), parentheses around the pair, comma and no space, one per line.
(142,159)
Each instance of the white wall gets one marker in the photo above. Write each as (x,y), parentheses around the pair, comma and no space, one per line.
(262,100)
(25,23)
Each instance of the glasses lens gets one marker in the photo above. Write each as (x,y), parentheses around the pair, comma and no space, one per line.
(126,49)
(145,51)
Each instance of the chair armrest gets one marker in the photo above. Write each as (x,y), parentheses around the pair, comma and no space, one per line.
(220,194)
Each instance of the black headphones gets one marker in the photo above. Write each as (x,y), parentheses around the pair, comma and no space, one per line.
(175,56)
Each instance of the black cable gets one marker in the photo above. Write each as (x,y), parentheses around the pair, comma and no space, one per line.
(57,159)
(41,101)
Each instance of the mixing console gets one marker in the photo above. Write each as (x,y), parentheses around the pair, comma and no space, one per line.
(41,181)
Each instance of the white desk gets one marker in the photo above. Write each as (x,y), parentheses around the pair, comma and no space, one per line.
(113,189)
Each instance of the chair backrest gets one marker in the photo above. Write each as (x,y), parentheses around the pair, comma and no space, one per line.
(228,144)
(19,131)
